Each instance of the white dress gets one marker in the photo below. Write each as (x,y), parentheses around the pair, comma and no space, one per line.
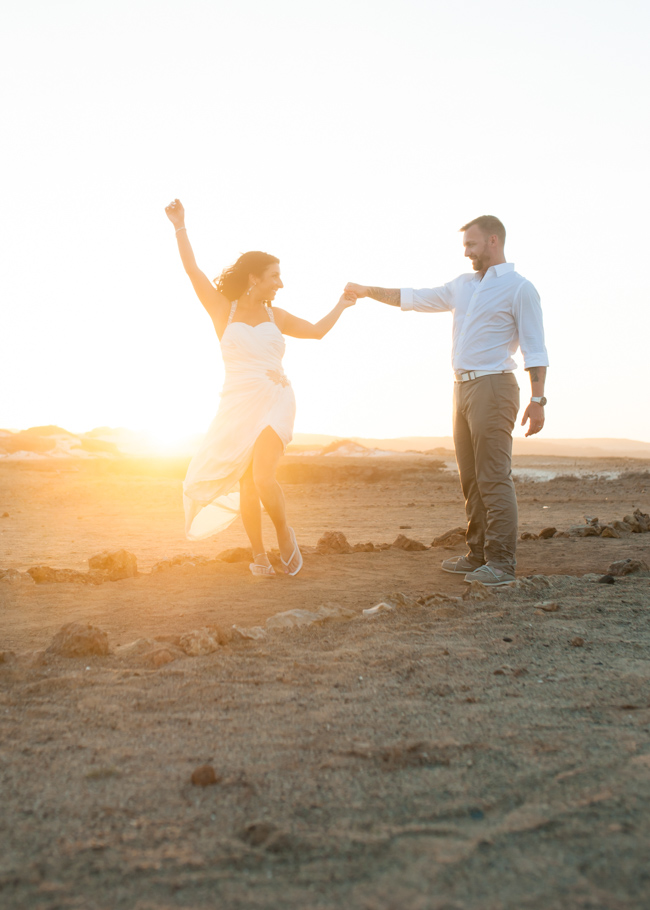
(256,394)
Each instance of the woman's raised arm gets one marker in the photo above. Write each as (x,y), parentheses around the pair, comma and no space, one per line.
(215,303)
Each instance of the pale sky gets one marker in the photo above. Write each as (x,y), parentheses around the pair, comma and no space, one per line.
(350,139)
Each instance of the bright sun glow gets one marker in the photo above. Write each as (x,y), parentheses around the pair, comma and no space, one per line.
(351,139)
(166,442)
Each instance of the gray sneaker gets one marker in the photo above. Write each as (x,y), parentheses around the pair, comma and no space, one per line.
(489,576)
(458,565)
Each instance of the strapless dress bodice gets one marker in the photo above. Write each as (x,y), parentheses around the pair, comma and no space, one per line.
(252,350)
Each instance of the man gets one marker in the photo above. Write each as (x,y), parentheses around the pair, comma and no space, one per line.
(495,311)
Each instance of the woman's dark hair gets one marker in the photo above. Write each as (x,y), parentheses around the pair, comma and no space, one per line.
(233,281)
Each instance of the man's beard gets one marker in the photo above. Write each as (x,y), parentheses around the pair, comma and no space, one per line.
(479,264)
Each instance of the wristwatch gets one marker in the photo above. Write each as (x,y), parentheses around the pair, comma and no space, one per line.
(541,400)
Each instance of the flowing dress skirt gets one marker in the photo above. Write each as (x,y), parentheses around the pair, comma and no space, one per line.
(256,395)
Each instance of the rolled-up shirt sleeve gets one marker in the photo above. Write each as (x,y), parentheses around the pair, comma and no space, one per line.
(426,300)
(530,325)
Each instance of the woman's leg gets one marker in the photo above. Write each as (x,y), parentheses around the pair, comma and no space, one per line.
(251,514)
(266,456)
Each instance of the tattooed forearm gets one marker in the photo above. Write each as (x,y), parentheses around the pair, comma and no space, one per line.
(385,295)
(537,379)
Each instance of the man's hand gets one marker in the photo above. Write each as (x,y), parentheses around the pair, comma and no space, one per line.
(384,295)
(355,290)
(535,413)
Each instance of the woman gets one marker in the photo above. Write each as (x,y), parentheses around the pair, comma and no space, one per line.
(254,423)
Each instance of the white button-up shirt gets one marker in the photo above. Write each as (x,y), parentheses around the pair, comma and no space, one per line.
(492,318)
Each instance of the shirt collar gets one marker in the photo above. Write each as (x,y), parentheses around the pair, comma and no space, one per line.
(502,268)
(496,271)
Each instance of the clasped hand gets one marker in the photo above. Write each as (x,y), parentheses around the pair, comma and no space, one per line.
(355,290)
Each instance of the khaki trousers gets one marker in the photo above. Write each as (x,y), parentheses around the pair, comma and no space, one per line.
(485,410)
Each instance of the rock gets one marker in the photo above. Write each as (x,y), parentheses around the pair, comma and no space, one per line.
(254,633)
(283,842)
(379,608)
(450,538)
(159,657)
(548,606)
(398,600)
(531,584)
(199,643)
(36,658)
(114,565)
(547,533)
(363,547)
(584,531)
(221,634)
(257,833)
(609,531)
(7,657)
(193,560)
(167,641)
(634,525)
(333,612)
(402,542)
(405,527)
(332,543)
(528,535)
(79,639)
(293,619)
(236,554)
(184,559)
(438,600)
(622,526)
(45,575)
(577,642)
(643,519)
(205,776)
(627,567)
(562,534)
(148,653)
(478,591)
(592,522)
(138,648)
(14,577)
(607,580)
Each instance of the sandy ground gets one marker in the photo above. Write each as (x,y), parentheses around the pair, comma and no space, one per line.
(453,753)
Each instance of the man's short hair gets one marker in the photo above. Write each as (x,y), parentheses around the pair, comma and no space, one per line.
(489,225)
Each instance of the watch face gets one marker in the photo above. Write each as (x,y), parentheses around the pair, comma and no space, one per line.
(542,401)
